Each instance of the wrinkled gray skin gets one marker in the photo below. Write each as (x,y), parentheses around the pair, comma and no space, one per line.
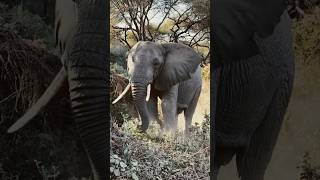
(174,72)
(81,34)
(252,98)
(86,67)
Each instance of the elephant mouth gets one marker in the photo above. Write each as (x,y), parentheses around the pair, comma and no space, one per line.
(126,90)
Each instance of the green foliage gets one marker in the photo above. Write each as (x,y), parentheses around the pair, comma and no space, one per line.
(120,113)
(25,24)
(160,156)
(37,153)
(119,166)
(118,61)
(309,172)
(306,37)
(118,69)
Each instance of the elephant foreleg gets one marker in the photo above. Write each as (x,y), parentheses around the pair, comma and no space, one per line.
(153,109)
(169,108)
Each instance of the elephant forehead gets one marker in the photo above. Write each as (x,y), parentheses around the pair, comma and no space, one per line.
(146,46)
(146,54)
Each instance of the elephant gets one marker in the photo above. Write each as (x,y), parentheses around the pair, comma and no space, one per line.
(81,34)
(253,71)
(170,71)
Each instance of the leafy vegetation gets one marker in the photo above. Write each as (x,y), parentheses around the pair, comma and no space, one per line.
(309,172)
(151,156)
(25,24)
(306,37)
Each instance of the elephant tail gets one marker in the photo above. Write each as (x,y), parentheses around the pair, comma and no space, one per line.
(42,102)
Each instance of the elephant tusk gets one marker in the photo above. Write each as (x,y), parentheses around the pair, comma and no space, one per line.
(122,94)
(148,92)
(43,101)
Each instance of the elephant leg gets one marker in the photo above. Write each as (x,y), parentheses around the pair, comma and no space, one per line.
(153,109)
(169,108)
(222,156)
(253,160)
(215,172)
(188,113)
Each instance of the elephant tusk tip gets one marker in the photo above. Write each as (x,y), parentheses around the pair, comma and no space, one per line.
(148,92)
(12,129)
(9,131)
(116,100)
(122,94)
(18,125)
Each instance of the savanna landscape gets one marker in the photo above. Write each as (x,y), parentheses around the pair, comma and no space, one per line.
(50,148)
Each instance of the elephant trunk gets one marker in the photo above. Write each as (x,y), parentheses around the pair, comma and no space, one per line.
(139,93)
(88,80)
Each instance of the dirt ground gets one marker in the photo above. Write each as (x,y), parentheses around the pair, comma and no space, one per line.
(300,132)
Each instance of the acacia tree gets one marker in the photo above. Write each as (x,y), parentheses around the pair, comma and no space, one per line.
(184,21)
(135,19)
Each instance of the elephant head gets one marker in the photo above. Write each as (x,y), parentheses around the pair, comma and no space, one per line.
(159,65)
(82,33)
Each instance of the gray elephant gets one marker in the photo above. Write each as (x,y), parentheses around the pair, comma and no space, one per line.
(253,78)
(81,34)
(170,71)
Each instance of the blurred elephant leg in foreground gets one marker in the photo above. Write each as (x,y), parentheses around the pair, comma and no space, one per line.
(252,162)
(253,95)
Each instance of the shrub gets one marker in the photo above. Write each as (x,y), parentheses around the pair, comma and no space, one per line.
(150,156)
(306,37)
(309,172)
(25,24)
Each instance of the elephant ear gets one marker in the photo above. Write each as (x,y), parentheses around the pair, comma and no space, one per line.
(180,62)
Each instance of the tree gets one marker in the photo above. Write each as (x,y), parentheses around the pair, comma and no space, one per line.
(184,21)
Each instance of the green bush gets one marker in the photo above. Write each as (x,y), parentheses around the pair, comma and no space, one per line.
(153,156)
(118,54)
(308,171)
(118,69)
(25,24)
(306,37)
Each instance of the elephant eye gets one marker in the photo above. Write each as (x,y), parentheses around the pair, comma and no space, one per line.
(156,62)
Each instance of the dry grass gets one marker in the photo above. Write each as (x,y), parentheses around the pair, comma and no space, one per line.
(150,156)
(22,71)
